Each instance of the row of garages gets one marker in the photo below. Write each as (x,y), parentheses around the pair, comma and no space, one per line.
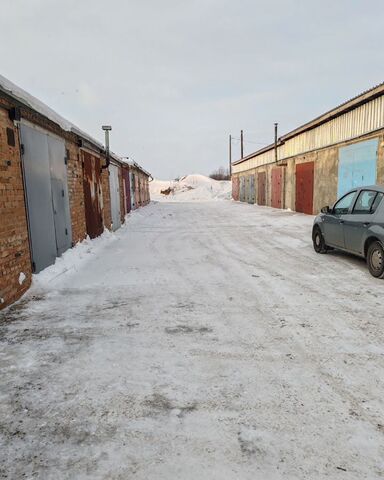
(320,161)
(57,186)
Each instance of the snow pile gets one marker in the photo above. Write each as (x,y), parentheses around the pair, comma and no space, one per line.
(191,188)
(73,259)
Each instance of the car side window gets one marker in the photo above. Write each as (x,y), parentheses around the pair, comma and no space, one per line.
(342,206)
(365,202)
(377,201)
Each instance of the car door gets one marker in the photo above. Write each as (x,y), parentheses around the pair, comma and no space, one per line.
(333,222)
(359,220)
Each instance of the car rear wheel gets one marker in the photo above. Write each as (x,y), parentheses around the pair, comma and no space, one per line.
(318,241)
(375,259)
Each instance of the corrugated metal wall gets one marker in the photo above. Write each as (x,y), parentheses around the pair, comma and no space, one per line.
(360,121)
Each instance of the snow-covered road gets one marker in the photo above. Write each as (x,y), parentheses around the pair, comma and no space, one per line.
(205,341)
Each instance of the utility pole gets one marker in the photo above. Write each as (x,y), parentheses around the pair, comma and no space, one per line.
(230,155)
(276,124)
(242,144)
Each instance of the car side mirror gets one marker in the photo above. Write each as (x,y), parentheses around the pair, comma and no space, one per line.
(326,209)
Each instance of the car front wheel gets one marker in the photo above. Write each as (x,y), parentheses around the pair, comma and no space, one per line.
(318,241)
(375,259)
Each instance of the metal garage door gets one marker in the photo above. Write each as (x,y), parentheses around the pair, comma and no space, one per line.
(46,190)
(261,188)
(246,199)
(304,187)
(357,165)
(277,180)
(242,189)
(132,184)
(251,196)
(115,196)
(127,190)
(92,194)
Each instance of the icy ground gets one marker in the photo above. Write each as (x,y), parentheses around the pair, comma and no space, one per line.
(191,188)
(201,341)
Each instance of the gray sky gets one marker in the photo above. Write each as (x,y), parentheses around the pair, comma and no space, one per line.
(174,78)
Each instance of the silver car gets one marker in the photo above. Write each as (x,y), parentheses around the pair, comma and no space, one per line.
(354,224)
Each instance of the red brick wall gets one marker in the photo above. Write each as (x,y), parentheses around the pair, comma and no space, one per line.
(76,192)
(14,244)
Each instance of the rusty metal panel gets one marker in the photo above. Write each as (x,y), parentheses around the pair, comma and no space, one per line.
(261,188)
(304,187)
(92,194)
(127,190)
(277,182)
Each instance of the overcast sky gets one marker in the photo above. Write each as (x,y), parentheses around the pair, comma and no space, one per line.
(175,78)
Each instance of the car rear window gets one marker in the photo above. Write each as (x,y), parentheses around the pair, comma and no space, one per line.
(377,201)
(367,202)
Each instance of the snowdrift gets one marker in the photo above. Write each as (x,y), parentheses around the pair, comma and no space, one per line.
(192,188)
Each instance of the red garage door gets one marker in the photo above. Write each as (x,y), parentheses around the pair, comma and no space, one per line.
(304,187)
(277,181)
(261,183)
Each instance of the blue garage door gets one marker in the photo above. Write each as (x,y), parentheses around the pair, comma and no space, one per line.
(357,165)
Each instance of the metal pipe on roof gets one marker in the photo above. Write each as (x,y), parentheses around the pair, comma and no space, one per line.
(107,129)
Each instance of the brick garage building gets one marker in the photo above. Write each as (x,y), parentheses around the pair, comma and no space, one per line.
(318,161)
(14,251)
(41,153)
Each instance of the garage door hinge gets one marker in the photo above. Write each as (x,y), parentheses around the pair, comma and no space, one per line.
(22,149)
(66,231)
(62,193)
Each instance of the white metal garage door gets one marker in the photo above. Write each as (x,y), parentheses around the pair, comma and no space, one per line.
(46,192)
(115,196)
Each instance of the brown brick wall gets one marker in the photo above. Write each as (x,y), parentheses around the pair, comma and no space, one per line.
(14,244)
(76,192)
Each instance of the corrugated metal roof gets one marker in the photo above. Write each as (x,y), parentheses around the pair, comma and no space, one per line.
(341,109)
